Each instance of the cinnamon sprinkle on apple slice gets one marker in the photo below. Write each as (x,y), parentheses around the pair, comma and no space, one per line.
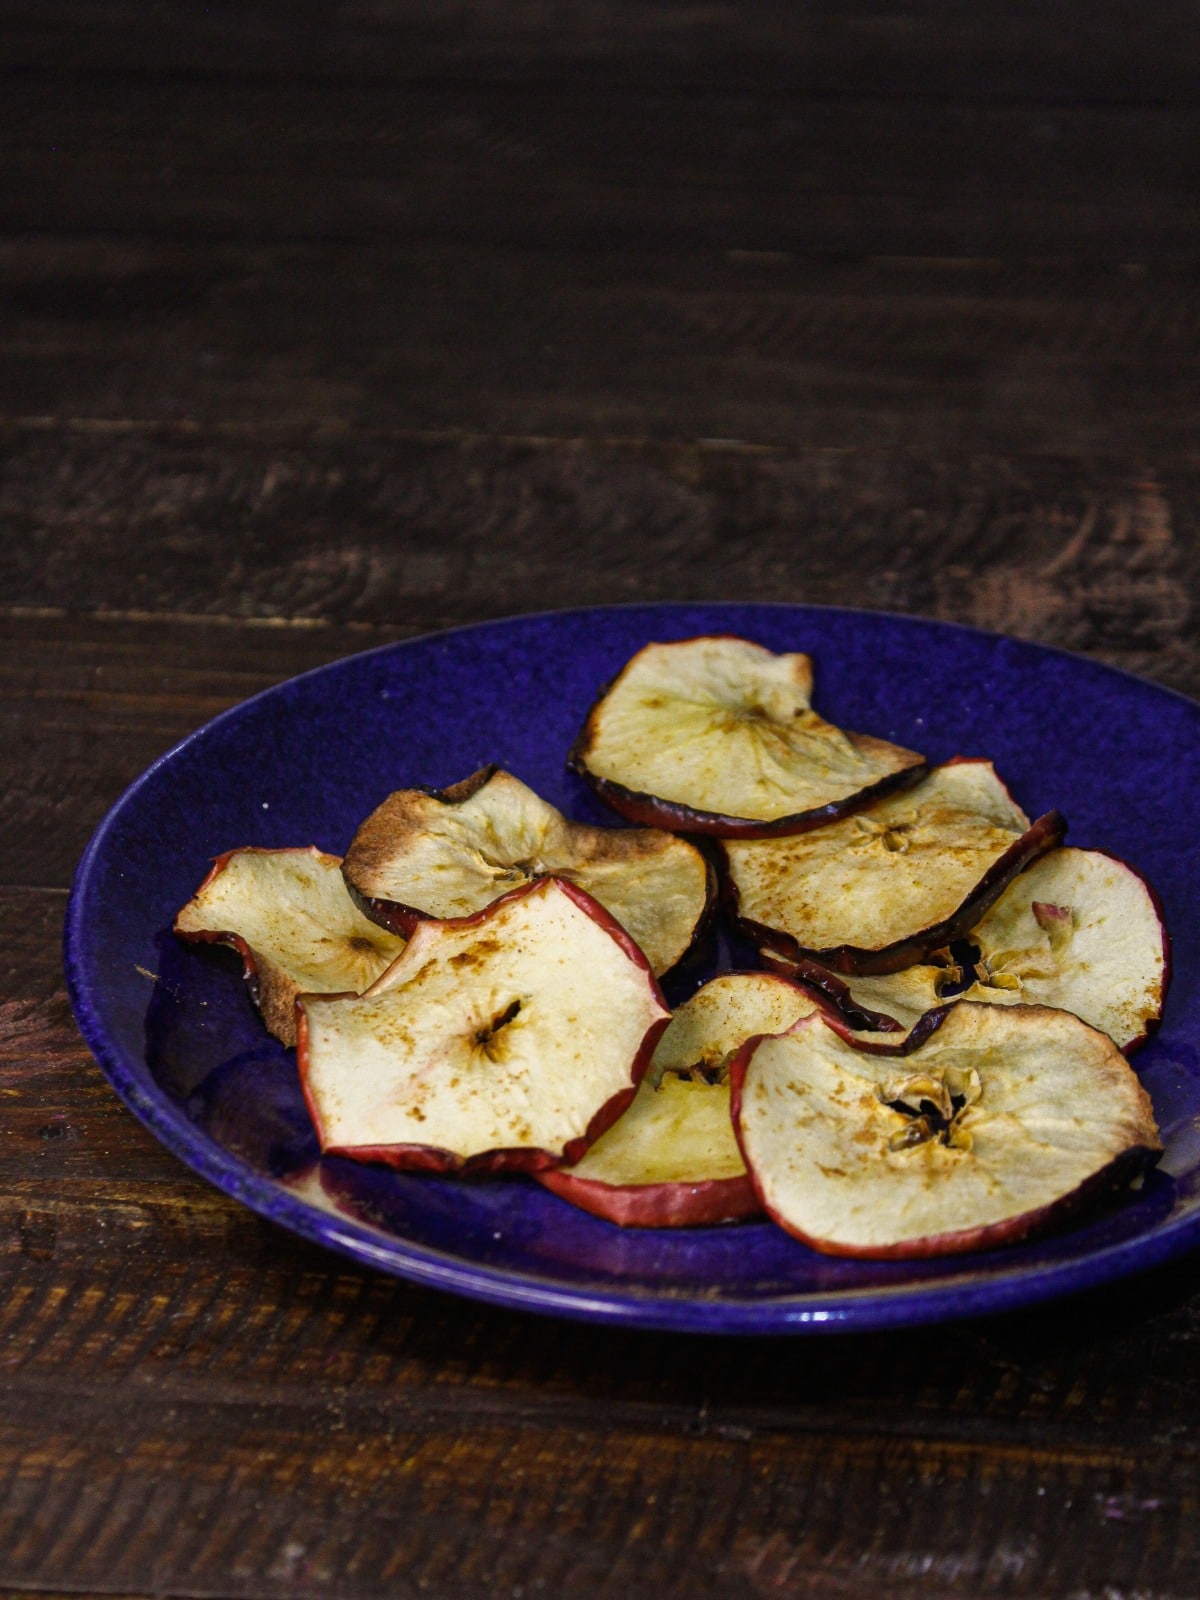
(878,891)
(448,853)
(998,1125)
(505,1040)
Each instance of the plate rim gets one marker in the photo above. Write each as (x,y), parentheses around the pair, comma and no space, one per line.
(821,1311)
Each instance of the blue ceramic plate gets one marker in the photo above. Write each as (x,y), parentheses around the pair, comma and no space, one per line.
(302,764)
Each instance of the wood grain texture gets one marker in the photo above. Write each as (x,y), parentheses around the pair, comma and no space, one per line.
(1060,50)
(479,1510)
(555,164)
(547,339)
(164,1433)
(396,534)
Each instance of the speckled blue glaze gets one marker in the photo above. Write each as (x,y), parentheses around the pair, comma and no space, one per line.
(305,762)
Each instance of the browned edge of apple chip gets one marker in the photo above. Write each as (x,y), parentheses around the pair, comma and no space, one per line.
(428,1158)
(399,918)
(404,920)
(391,914)
(1118,1174)
(277,1014)
(455,793)
(1046,833)
(658,1205)
(922,1029)
(650,811)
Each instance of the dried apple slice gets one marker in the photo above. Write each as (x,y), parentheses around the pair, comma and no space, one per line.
(449,853)
(508,1039)
(288,915)
(1082,930)
(1079,930)
(672,1161)
(717,735)
(878,891)
(998,1125)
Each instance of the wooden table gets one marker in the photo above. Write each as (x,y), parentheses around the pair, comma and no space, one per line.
(320,334)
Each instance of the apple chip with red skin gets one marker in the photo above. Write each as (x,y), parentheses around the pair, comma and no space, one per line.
(717,735)
(1079,930)
(288,915)
(671,1161)
(1082,930)
(506,1040)
(429,853)
(876,892)
(997,1125)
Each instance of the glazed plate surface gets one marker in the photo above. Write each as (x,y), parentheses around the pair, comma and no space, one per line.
(178,1038)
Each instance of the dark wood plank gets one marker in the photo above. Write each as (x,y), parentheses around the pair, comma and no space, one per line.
(79,1594)
(599,166)
(76,1165)
(404,534)
(920,355)
(933,48)
(865,1461)
(402,1507)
